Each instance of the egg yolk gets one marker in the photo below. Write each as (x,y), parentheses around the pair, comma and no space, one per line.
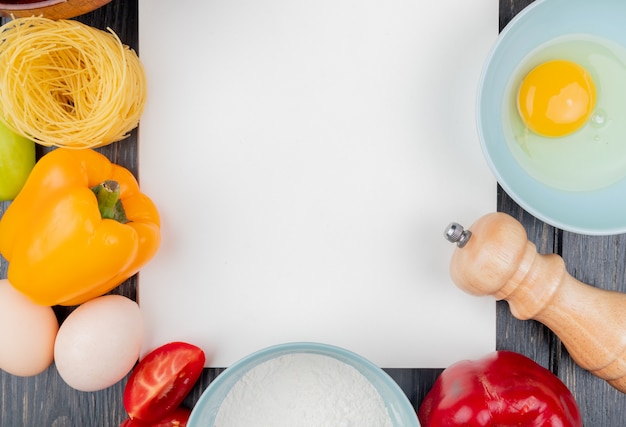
(556,98)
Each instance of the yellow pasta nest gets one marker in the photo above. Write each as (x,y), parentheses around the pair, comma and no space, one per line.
(66,84)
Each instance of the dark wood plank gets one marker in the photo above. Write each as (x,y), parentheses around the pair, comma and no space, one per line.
(527,337)
(45,400)
(598,261)
(510,8)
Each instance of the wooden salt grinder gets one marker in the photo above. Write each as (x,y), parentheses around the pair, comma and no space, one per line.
(495,258)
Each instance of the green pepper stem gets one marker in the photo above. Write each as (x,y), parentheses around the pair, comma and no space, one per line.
(109,203)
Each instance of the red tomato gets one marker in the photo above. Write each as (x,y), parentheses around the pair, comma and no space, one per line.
(162,380)
(177,418)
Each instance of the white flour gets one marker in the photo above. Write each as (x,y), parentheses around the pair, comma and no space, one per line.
(303,390)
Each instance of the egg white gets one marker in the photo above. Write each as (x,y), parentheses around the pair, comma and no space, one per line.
(594,156)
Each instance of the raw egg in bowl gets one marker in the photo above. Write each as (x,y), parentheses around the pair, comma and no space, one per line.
(552,113)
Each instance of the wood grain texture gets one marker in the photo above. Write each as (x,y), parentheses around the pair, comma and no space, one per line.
(45,400)
(598,261)
(501,262)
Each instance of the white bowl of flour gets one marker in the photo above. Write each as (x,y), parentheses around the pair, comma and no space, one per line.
(303,385)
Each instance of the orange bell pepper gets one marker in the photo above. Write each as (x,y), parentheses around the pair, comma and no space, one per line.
(78,228)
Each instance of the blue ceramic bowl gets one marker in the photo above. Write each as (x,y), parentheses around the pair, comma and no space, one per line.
(594,212)
(398,406)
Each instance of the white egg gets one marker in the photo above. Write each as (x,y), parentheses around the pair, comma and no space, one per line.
(99,343)
(27,333)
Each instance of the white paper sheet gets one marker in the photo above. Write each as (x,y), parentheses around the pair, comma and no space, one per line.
(306,157)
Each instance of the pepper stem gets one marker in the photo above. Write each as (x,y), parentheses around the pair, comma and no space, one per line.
(109,203)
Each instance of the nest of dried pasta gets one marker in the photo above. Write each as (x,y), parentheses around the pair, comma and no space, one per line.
(66,84)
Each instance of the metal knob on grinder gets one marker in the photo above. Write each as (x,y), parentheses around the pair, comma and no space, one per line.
(497,259)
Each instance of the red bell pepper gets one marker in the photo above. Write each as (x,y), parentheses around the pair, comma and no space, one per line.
(502,389)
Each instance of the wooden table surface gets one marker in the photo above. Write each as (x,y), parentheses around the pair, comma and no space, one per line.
(45,400)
